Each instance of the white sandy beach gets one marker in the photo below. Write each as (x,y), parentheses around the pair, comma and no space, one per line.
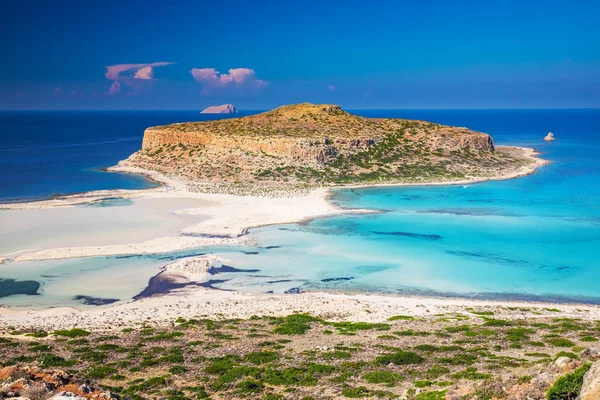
(207,303)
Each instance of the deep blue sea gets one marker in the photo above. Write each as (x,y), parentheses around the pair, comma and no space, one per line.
(44,153)
(536,237)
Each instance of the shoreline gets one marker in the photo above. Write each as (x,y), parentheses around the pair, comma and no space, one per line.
(201,302)
(229,219)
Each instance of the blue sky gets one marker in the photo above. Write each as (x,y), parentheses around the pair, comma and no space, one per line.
(261,54)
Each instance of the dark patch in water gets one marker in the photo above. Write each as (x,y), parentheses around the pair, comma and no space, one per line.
(410,234)
(489,257)
(48,276)
(373,268)
(498,259)
(251,253)
(337,279)
(9,287)
(210,284)
(94,301)
(127,257)
(226,268)
(272,247)
(478,212)
(294,290)
(176,256)
(281,281)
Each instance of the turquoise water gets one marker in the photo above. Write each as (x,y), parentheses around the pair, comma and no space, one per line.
(532,238)
(536,237)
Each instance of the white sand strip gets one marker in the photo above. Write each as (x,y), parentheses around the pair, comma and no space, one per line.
(198,303)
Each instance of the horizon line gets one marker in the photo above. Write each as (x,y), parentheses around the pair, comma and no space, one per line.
(268,109)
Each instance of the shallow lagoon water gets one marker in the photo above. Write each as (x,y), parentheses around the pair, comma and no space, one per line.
(536,237)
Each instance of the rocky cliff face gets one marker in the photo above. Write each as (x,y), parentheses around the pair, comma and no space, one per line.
(315,144)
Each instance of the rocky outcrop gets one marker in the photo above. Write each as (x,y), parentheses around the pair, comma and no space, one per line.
(224,109)
(549,136)
(36,383)
(591,384)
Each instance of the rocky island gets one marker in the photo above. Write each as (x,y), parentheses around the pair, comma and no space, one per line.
(308,145)
(224,109)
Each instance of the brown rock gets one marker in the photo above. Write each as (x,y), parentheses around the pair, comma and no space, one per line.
(591,384)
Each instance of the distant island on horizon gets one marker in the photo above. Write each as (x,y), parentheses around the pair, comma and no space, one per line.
(223,109)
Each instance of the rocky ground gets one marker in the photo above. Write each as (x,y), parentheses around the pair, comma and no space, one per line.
(470,355)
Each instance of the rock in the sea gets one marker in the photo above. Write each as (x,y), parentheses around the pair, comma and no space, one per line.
(224,109)
(549,136)
(591,384)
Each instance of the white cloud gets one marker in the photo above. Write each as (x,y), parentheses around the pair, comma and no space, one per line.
(210,78)
(115,88)
(144,73)
(129,74)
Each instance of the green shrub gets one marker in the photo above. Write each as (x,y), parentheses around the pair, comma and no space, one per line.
(380,377)
(401,318)
(50,360)
(250,386)
(400,358)
(165,336)
(297,376)
(471,374)
(440,395)
(345,327)
(261,357)
(177,370)
(495,322)
(72,333)
(101,372)
(39,334)
(518,334)
(568,354)
(360,392)
(560,342)
(295,324)
(568,387)
(222,365)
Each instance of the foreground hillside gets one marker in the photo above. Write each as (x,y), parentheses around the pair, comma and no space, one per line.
(471,355)
(321,145)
